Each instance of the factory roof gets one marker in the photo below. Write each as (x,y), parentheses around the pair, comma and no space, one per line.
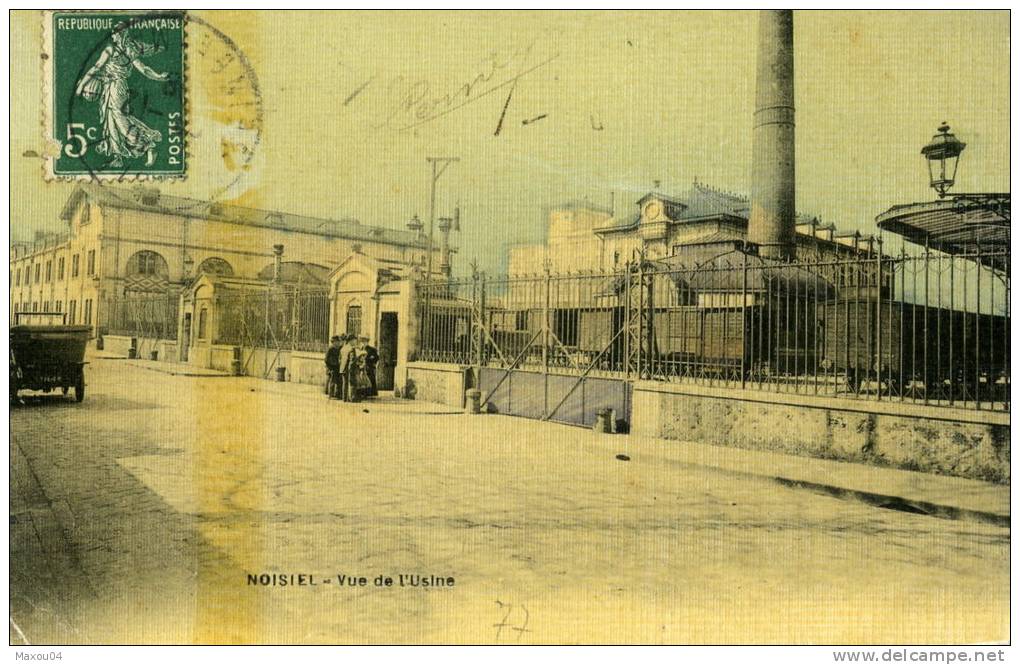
(41,242)
(700,202)
(150,199)
(713,267)
(705,203)
(297,272)
(963,224)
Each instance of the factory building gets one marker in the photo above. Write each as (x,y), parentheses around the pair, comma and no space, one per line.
(130,242)
(583,236)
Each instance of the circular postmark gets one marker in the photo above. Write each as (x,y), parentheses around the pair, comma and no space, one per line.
(219,118)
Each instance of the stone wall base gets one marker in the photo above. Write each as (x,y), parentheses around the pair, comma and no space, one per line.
(437,382)
(166,350)
(958,442)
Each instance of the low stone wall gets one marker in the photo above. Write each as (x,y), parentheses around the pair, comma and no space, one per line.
(221,357)
(301,366)
(958,442)
(438,382)
(118,345)
(261,362)
(307,367)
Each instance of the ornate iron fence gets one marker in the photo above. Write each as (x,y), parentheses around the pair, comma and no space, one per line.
(282,318)
(927,328)
(151,316)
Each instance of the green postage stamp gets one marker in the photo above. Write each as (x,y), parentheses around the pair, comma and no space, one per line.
(115,95)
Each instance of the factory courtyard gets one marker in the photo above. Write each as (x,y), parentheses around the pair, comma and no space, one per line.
(206,509)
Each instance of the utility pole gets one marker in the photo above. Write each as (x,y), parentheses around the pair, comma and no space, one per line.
(439,166)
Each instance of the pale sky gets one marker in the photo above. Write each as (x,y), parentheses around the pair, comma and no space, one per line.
(613,100)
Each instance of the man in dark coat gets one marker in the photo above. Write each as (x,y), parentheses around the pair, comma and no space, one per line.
(335,380)
(371,359)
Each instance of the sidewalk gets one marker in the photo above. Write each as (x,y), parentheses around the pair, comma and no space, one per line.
(910,491)
(175,369)
(385,402)
(45,574)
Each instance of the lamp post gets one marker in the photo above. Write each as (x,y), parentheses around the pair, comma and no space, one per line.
(439,166)
(943,156)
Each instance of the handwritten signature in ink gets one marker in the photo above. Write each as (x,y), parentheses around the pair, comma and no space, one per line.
(416,102)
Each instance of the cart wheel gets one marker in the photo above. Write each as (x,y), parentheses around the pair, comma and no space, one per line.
(79,387)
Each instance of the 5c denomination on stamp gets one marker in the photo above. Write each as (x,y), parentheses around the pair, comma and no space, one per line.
(115,87)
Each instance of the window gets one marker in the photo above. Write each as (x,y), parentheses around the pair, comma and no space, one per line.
(148,263)
(58,306)
(215,266)
(17,277)
(86,211)
(60,268)
(72,309)
(38,267)
(49,271)
(202,315)
(88,312)
(92,263)
(46,306)
(74,266)
(354,320)
(35,306)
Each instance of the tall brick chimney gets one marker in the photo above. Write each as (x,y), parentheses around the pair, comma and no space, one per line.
(773,191)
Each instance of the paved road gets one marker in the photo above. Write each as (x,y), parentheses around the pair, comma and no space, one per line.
(138,515)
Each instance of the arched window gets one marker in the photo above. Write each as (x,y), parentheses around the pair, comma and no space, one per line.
(354,320)
(203,314)
(215,266)
(147,263)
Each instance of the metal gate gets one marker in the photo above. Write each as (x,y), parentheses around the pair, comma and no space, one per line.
(531,353)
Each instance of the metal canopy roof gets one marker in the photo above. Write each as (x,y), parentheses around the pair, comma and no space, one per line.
(961,224)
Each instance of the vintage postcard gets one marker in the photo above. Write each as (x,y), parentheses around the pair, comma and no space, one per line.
(511,328)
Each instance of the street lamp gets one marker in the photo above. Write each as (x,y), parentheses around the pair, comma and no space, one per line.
(943,155)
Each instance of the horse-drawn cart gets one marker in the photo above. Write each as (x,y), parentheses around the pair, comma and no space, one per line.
(46,357)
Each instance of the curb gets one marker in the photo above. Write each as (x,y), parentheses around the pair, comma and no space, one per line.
(161,370)
(875,499)
(893,502)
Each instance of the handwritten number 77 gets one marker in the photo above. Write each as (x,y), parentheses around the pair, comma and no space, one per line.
(505,623)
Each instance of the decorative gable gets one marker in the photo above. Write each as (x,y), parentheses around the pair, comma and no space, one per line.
(657,207)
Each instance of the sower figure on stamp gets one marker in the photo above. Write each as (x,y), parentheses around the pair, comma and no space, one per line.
(124,135)
(371,359)
(333,379)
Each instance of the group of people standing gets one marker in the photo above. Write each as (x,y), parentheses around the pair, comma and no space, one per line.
(350,364)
